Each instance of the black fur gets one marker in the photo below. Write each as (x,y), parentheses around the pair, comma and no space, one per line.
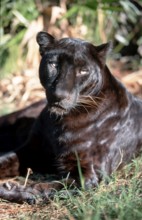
(89,114)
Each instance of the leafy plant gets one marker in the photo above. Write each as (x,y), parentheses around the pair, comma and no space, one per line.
(15,18)
(116,20)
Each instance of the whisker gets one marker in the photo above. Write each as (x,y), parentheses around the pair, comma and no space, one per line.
(74,109)
(89,101)
(81,105)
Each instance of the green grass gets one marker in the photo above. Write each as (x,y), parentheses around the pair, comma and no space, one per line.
(120,199)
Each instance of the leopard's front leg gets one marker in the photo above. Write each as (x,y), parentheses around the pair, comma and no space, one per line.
(9,165)
(79,165)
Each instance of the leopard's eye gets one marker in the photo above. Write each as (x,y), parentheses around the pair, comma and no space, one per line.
(82,72)
(53,65)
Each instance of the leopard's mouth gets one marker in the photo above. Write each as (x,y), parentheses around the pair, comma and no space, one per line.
(58,109)
(62,107)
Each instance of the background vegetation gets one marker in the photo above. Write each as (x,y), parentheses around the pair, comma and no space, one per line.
(97,21)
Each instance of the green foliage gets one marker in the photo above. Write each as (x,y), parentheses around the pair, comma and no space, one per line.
(119,21)
(15,18)
(24,10)
(107,19)
(9,53)
(81,177)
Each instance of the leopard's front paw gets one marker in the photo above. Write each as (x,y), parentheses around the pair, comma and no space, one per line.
(91,182)
(13,192)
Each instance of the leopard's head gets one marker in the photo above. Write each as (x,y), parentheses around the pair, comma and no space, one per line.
(70,70)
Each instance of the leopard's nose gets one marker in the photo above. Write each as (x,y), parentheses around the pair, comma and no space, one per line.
(60,95)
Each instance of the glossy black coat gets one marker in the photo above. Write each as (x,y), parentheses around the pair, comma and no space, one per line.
(89,114)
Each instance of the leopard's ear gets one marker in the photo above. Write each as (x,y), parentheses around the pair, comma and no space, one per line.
(45,41)
(103,50)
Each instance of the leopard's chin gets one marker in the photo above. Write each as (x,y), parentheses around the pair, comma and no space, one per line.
(58,110)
